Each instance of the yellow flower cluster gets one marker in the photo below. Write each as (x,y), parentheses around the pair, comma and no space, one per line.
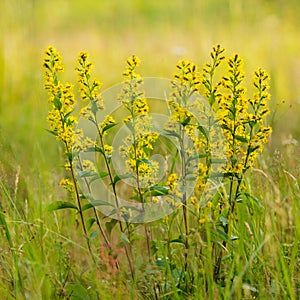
(180,114)
(88,166)
(80,142)
(108,149)
(138,154)
(107,123)
(142,138)
(241,118)
(208,73)
(67,184)
(186,79)
(132,62)
(62,100)
(90,91)
(89,88)
(205,219)
(191,123)
(172,181)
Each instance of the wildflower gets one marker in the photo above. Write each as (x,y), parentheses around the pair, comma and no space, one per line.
(61,98)
(87,113)
(172,181)
(88,87)
(212,90)
(67,184)
(241,118)
(81,143)
(139,143)
(107,123)
(108,149)
(88,166)
(205,219)
(193,200)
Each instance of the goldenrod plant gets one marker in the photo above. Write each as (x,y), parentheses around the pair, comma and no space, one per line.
(213,133)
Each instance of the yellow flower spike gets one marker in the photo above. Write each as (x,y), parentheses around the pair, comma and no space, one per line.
(193,200)
(88,166)
(133,61)
(186,78)
(107,123)
(67,166)
(88,87)
(67,184)
(59,118)
(172,181)
(108,150)
(86,112)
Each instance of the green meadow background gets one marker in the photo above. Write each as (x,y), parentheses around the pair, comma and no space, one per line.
(266,33)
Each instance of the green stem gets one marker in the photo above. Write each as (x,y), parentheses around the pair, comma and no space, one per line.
(184,198)
(80,210)
(127,251)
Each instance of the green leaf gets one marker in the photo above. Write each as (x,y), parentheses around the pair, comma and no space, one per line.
(218,160)
(186,121)
(110,225)
(94,234)
(98,149)
(252,149)
(241,139)
(103,174)
(222,235)
(84,173)
(160,262)
(52,132)
(224,126)
(216,175)
(144,160)
(77,292)
(70,155)
(255,199)
(105,128)
(136,237)
(203,131)
(191,158)
(61,205)
(87,206)
(91,149)
(224,221)
(124,238)
(97,176)
(171,133)
(90,222)
(154,247)
(94,107)
(157,190)
(57,103)
(95,203)
(129,125)
(67,116)
(178,241)
(120,177)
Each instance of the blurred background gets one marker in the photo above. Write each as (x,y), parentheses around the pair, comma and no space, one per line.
(264,32)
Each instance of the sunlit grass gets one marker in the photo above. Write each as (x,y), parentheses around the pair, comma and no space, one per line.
(38,244)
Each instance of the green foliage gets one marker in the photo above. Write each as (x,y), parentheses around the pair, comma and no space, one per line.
(213,244)
(44,254)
